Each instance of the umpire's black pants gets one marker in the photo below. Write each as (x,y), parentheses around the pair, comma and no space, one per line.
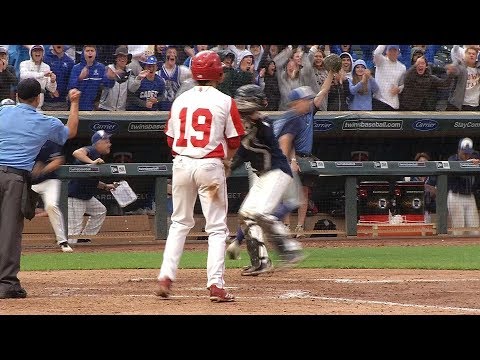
(11,228)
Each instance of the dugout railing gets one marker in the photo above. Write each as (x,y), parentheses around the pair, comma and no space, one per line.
(351,171)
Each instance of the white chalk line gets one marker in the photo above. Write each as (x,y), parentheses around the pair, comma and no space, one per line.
(354,281)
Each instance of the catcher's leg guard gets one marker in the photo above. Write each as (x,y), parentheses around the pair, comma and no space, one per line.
(255,246)
(277,234)
(260,263)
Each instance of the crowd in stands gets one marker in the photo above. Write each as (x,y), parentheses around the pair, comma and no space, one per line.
(149,77)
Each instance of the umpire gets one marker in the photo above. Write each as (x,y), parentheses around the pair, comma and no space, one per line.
(23,131)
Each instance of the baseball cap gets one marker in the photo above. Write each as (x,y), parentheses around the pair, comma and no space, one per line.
(397,47)
(466,145)
(301,93)
(100,135)
(3,50)
(7,101)
(418,50)
(151,60)
(28,88)
(36,47)
(121,50)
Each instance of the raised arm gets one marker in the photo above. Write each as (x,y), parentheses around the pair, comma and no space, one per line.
(324,89)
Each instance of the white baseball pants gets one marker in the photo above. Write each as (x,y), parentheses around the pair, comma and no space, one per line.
(49,190)
(77,208)
(192,177)
(463,212)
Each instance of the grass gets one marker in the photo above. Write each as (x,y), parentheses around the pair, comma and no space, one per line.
(415,257)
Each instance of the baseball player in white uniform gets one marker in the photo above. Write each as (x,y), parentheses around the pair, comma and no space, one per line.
(461,203)
(204,131)
(46,183)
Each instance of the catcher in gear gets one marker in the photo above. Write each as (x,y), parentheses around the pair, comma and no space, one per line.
(270,180)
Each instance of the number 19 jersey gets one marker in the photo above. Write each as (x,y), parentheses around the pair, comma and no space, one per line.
(200,121)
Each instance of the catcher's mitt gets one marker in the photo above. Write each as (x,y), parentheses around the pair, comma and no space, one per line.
(332,62)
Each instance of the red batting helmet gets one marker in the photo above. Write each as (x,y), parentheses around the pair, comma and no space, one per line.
(206,65)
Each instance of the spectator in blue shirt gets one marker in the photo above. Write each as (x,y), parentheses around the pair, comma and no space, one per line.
(147,88)
(88,76)
(61,65)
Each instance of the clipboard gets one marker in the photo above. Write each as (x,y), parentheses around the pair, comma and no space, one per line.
(124,194)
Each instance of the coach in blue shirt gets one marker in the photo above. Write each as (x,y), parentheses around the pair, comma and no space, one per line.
(23,131)
(295,137)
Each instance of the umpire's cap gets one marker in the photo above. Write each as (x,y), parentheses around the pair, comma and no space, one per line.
(28,89)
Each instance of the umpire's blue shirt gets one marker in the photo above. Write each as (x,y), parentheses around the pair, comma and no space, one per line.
(23,131)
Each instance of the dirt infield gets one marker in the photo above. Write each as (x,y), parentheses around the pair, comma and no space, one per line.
(296,291)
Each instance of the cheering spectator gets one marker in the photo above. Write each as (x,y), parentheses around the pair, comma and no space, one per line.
(420,87)
(271,89)
(173,75)
(115,98)
(227,57)
(37,69)
(416,53)
(146,89)
(245,72)
(87,76)
(289,73)
(257,52)
(347,63)
(389,74)
(316,72)
(466,92)
(8,79)
(362,87)
(61,65)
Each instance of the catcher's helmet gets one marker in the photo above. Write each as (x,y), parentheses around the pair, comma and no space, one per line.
(206,65)
(250,98)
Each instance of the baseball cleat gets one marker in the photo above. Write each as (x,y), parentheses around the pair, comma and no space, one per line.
(265,267)
(163,288)
(220,295)
(65,247)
